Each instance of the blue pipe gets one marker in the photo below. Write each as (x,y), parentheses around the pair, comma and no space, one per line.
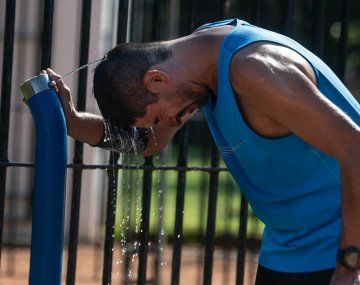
(47,236)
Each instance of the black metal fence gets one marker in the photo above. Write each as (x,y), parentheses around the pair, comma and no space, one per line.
(192,13)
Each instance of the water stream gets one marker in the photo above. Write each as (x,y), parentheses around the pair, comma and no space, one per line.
(53,83)
(128,250)
(161,232)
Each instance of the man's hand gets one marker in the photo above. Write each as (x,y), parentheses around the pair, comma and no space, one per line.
(82,126)
(65,98)
(343,276)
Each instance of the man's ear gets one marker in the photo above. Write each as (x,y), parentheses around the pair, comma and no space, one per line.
(155,80)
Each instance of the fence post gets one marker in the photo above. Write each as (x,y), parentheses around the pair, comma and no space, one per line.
(318,22)
(240,264)
(211,218)
(114,157)
(78,153)
(179,215)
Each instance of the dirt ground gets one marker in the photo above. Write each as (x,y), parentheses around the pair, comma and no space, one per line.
(15,267)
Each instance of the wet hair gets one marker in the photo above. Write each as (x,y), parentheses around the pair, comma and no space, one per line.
(118,81)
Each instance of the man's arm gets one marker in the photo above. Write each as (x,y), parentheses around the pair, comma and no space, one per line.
(286,95)
(89,128)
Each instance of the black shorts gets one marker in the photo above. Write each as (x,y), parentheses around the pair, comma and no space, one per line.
(270,277)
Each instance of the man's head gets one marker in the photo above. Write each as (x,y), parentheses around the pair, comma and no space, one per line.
(134,85)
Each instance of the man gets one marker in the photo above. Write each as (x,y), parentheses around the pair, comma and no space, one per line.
(286,126)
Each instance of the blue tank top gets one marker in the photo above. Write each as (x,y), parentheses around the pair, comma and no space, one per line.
(294,188)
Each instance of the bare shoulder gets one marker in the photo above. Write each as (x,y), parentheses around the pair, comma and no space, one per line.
(264,75)
(264,61)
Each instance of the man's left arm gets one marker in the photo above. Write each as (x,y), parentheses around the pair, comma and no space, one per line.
(288,97)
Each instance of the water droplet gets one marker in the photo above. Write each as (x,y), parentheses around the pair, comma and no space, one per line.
(153,134)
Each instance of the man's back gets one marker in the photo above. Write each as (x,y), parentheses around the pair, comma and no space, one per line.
(292,186)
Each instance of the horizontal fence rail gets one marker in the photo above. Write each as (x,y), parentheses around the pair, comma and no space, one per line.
(123,166)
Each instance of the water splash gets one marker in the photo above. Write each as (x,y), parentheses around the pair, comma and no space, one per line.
(114,184)
(129,250)
(138,208)
(52,84)
(161,232)
(153,135)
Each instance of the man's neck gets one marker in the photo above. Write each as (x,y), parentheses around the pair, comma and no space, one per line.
(195,57)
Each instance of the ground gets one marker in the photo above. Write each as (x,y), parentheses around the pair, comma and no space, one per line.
(15,266)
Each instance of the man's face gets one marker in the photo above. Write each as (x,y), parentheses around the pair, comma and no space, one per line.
(172,105)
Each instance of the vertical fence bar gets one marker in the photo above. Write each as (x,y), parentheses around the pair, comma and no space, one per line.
(181,183)
(255,12)
(114,157)
(144,233)
(46,39)
(287,16)
(122,21)
(343,39)
(78,154)
(318,23)
(5,102)
(240,263)
(202,210)
(110,219)
(211,219)
(192,5)
(147,180)
(156,20)
(227,239)
(179,213)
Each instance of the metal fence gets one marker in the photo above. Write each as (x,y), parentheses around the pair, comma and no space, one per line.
(190,12)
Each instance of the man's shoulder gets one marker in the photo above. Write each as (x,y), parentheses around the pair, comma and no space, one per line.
(263,61)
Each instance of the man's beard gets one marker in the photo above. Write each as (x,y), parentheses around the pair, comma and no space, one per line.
(199,96)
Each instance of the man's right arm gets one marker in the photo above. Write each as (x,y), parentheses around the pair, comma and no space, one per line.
(90,128)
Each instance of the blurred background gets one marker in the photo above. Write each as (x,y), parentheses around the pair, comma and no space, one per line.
(198,228)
